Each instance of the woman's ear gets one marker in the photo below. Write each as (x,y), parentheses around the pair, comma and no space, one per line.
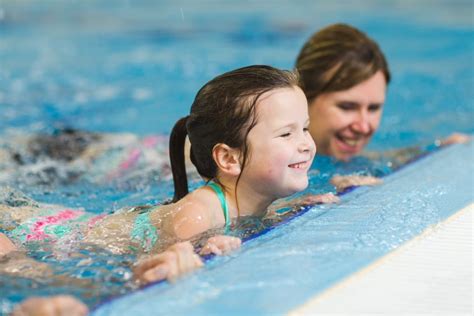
(227,159)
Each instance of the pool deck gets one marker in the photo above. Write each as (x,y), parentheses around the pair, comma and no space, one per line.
(404,247)
(431,274)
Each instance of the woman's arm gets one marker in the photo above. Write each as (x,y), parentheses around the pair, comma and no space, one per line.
(399,157)
(283,206)
(343,182)
(396,158)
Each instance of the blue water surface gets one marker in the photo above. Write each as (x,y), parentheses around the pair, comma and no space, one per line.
(135,66)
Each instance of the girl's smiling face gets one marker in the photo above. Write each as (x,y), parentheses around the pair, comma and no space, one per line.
(281,148)
(343,122)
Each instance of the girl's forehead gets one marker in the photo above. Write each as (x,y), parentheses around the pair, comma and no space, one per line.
(287,102)
(279,95)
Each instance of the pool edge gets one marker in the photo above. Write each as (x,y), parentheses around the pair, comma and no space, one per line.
(379,284)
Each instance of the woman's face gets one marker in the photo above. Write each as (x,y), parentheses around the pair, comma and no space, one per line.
(343,122)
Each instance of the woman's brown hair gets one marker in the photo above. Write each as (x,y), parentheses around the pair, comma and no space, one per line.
(337,58)
(222,112)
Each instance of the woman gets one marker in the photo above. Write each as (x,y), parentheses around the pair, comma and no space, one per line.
(345,75)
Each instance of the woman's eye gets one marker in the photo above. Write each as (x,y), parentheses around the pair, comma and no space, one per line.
(374,107)
(346,106)
(285,135)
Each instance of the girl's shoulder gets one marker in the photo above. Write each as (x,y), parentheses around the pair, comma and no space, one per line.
(195,213)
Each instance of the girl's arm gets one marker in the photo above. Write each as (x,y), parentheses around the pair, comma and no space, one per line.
(198,212)
(195,219)
(192,219)
(52,306)
(6,245)
(177,260)
(180,259)
(220,245)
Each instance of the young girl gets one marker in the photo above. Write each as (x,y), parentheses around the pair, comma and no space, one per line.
(248,130)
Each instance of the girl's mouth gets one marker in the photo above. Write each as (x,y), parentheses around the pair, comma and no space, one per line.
(299,165)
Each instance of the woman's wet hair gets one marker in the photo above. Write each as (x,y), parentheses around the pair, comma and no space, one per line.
(222,112)
(337,58)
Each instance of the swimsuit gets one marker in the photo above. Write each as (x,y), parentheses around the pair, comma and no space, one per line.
(220,194)
(143,231)
(146,234)
(52,225)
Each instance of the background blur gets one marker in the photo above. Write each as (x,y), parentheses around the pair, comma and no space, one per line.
(136,65)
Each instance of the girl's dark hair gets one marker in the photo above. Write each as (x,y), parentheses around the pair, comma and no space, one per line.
(222,112)
(337,58)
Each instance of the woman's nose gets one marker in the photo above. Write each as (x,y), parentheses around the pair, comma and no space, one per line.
(361,124)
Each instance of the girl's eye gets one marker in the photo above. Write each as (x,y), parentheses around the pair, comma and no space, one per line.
(285,135)
(305,129)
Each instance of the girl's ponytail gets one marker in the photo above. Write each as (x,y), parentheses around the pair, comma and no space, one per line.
(177,158)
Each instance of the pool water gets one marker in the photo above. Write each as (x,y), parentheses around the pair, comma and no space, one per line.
(134,67)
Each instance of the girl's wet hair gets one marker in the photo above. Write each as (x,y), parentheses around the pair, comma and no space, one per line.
(337,58)
(222,112)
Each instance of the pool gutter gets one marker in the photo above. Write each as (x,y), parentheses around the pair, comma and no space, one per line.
(430,274)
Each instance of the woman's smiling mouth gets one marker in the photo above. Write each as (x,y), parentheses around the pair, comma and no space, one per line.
(353,145)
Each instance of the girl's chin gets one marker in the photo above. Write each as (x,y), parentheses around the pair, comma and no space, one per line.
(299,188)
(290,191)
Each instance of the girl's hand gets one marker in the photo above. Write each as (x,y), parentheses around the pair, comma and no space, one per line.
(177,260)
(220,245)
(343,182)
(327,198)
(60,305)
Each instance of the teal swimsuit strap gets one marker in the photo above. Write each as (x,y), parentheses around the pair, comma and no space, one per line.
(220,194)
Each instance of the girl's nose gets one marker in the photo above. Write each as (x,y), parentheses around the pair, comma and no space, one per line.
(306,144)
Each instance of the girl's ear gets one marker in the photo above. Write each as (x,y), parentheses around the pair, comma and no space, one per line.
(227,159)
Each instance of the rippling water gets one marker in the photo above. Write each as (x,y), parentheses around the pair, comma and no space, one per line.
(134,67)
